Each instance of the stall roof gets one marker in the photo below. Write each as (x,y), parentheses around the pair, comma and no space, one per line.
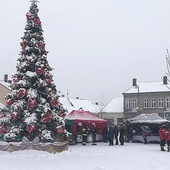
(81,115)
(148,118)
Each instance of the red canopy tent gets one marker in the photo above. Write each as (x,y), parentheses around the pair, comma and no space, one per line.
(79,117)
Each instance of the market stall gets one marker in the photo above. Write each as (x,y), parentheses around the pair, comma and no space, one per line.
(137,125)
(76,118)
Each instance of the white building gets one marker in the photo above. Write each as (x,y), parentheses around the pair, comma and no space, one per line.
(79,104)
(113,111)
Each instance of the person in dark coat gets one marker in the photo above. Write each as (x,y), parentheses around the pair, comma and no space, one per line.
(78,129)
(128,132)
(93,132)
(121,134)
(111,135)
(116,130)
(105,134)
(78,132)
(85,132)
(168,139)
(162,136)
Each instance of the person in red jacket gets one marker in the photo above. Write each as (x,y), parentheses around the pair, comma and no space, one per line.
(168,139)
(162,136)
(145,135)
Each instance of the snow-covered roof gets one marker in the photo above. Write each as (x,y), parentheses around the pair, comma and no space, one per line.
(148,118)
(149,87)
(7,85)
(114,106)
(83,115)
(76,104)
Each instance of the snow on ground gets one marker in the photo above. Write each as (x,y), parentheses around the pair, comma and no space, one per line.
(131,156)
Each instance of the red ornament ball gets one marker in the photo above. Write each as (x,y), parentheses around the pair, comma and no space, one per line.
(40,71)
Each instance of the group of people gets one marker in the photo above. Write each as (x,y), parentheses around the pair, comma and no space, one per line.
(112,133)
(164,135)
(86,131)
(115,135)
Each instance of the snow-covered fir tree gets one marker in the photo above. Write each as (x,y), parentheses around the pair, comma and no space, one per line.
(32,108)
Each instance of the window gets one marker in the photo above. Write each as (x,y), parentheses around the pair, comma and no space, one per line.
(168,102)
(127,103)
(160,102)
(146,103)
(134,103)
(153,103)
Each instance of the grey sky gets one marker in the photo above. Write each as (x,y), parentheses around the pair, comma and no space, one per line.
(96,47)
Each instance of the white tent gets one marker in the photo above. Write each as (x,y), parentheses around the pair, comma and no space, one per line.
(148,118)
(153,121)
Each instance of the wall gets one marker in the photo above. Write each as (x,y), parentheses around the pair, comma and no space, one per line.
(3,92)
(111,117)
(129,113)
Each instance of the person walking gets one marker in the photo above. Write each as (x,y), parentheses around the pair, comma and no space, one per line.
(111,135)
(116,130)
(121,134)
(93,132)
(85,132)
(162,136)
(145,135)
(128,132)
(168,139)
(105,134)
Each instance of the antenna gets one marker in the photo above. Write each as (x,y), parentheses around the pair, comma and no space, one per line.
(168,63)
(67,93)
(102,100)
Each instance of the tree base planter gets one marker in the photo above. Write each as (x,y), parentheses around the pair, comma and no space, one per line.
(34,145)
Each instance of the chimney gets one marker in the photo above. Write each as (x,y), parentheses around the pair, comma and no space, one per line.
(165,80)
(6,78)
(97,103)
(10,81)
(134,82)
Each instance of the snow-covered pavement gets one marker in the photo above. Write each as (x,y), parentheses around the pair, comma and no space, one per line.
(131,156)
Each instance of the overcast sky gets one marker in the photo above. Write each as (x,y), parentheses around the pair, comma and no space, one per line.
(96,47)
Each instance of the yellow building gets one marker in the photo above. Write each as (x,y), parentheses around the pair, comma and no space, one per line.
(4,89)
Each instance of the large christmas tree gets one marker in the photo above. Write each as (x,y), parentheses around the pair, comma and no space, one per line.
(32,108)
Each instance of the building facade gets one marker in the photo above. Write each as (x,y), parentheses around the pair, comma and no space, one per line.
(150,97)
(4,89)
(113,111)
